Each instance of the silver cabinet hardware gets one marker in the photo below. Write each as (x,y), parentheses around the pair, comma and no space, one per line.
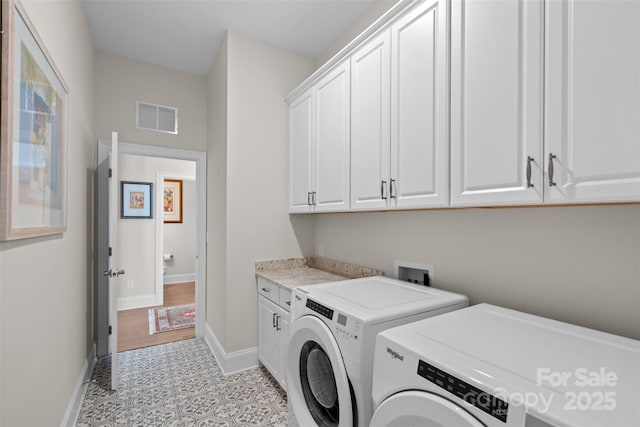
(288,303)
(309,198)
(529,160)
(383,184)
(266,289)
(273,320)
(278,322)
(313,198)
(550,169)
(392,184)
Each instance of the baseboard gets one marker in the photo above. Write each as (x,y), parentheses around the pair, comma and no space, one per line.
(139,301)
(178,278)
(73,408)
(232,362)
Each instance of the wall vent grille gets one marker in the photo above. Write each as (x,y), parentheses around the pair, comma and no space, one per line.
(159,118)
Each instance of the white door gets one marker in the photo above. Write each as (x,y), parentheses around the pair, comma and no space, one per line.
(419,108)
(593,101)
(267,338)
(417,408)
(332,113)
(370,82)
(114,272)
(496,102)
(317,382)
(301,150)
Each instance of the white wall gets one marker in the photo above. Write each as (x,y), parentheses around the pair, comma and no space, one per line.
(120,82)
(46,284)
(137,237)
(258,226)
(376,11)
(179,238)
(575,264)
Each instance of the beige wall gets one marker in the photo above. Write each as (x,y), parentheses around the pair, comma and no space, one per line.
(376,11)
(120,82)
(259,76)
(217,195)
(575,264)
(180,238)
(46,283)
(137,237)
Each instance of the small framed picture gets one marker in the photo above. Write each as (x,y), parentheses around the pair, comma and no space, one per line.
(137,199)
(172,203)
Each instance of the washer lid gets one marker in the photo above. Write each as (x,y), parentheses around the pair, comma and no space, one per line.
(418,408)
(381,298)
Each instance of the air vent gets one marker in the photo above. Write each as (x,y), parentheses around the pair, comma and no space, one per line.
(159,118)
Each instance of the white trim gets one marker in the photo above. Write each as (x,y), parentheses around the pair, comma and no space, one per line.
(73,408)
(138,301)
(201,214)
(230,363)
(179,278)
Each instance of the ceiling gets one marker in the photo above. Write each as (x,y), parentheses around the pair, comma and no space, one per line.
(185,34)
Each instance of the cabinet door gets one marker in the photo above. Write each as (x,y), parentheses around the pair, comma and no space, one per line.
(332,114)
(300,152)
(283,345)
(267,335)
(370,124)
(496,101)
(593,101)
(419,107)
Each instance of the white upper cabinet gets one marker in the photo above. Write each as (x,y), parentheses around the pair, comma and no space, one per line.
(370,118)
(419,174)
(332,131)
(593,101)
(300,153)
(399,105)
(496,102)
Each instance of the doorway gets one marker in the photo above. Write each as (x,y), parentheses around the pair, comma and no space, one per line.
(198,281)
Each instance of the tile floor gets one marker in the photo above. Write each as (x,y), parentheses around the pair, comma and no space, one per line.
(180,384)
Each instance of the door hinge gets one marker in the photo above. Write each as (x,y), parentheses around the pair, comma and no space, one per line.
(110,172)
(110,251)
(110,330)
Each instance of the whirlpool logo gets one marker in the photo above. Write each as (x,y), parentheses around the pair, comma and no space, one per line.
(394,354)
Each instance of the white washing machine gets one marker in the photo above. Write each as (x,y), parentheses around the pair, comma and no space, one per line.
(490,366)
(332,337)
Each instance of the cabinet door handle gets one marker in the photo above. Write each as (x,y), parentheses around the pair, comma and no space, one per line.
(392,184)
(550,169)
(313,198)
(273,320)
(278,322)
(383,184)
(288,303)
(529,160)
(309,198)
(266,289)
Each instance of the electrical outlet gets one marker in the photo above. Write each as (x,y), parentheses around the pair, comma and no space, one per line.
(130,284)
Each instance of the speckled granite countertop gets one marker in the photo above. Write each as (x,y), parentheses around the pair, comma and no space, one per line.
(294,272)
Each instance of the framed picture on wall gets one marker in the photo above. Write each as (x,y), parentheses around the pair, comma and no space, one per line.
(137,199)
(33,137)
(172,203)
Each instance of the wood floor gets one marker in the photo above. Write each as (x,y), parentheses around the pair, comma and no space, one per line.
(133,325)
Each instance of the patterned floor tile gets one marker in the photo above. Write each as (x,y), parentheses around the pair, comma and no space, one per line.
(180,384)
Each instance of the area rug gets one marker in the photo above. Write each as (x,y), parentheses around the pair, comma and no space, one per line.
(163,319)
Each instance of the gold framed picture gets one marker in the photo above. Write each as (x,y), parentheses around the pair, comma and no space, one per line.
(172,201)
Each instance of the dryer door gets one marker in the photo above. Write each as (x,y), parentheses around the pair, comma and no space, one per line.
(417,408)
(316,376)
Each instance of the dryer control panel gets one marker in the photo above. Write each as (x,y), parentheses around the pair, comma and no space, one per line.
(482,400)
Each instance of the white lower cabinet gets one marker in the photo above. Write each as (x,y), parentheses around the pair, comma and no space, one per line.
(273,328)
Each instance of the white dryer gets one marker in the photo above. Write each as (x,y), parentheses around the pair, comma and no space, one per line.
(332,338)
(490,366)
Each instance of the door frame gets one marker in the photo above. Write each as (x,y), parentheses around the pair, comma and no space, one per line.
(200,158)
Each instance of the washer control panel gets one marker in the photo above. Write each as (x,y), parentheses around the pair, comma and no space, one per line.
(320,309)
(482,400)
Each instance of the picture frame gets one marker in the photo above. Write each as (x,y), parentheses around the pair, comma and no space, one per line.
(33,132)
(136,200)
(172,201)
